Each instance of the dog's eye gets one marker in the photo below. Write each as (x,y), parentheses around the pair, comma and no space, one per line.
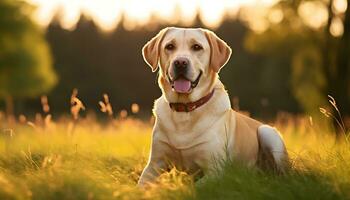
(196,47)
(169,47)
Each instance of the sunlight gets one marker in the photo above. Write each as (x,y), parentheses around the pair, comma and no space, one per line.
(212,13)
(337,27)
(275,16)
(108,13)
(138,13)
(254,16)
(315,19)
(339,6)
(187,11)
(70,15)
(45,11)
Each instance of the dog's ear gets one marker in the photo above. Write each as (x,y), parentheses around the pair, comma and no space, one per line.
(151,50)
(220,52)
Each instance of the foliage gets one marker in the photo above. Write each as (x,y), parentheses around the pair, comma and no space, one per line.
(25,60)
(299,48)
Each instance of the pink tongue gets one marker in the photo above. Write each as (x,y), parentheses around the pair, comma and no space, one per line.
(182,85)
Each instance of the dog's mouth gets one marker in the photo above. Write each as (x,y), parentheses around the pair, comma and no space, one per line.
(182,85)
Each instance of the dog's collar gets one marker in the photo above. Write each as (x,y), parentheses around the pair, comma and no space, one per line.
(191,106)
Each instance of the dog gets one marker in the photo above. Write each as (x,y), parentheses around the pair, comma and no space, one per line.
(195,124)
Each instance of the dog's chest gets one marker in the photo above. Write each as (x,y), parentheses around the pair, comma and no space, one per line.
(197,155)
(193,139)
(194,143)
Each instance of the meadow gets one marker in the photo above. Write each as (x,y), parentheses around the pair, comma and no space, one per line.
(83,158)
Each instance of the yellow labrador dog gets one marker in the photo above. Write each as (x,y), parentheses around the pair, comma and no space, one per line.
(195,124)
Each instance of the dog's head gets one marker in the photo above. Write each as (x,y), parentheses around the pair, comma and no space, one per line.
(189,61)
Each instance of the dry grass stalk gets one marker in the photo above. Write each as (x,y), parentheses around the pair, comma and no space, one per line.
(123,114)
(334,104)
(9,132)
(338,119)
(311,121)
(49,124)
(39,121)
(8,135)
(106,106)
(31,124)
(45,104)
(22,119)
(135,108)
(76,105)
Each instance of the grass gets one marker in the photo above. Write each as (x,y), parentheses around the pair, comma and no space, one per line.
(104,161)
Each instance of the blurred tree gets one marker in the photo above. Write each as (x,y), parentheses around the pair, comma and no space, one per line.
(257,81)
(96,62)
(296,47)
(318,60)
(25,61)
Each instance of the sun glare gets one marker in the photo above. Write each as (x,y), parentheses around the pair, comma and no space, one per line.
(108,13)
(315,19)
(212,13)
(337,28)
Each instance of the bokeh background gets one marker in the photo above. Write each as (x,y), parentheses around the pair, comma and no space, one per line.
(288,54)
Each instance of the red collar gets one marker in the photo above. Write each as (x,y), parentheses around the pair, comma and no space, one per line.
(191,106)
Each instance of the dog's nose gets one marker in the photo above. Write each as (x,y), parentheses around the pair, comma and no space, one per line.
(181,64)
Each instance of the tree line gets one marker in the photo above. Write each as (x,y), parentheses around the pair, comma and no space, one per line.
(284,68)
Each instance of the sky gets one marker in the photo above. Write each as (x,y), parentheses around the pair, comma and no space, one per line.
(137,13)
(107,13)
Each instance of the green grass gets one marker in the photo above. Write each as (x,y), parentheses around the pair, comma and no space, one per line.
(104,162)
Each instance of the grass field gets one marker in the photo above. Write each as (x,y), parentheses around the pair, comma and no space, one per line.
(91,160)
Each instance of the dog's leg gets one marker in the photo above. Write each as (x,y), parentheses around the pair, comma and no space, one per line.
(156,164)
(273,153)
(150,172)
